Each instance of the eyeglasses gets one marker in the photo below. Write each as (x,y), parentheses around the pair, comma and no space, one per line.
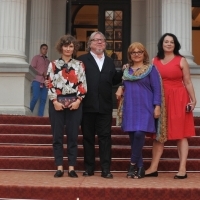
(139,53)
(98,40)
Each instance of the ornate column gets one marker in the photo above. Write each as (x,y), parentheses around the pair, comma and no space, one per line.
(12,31)
(177,19)
(153,32)
(40,27)
(15,74)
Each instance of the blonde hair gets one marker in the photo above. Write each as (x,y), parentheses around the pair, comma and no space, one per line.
(141,47)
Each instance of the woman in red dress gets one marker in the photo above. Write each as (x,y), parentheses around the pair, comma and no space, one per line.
(179,94)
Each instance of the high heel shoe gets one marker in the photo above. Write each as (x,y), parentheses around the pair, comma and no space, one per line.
(180,177)
(132,171)
(140,173)
(153,174)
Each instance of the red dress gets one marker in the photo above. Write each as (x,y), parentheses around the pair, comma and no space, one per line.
(179,122)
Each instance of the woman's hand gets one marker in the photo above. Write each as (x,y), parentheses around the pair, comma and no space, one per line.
(75,105)
(192,104)
(46,83)
(125,66)
(119,93)
(58,106)
(157,112)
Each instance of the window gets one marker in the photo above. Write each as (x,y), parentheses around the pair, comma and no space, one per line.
(113,34)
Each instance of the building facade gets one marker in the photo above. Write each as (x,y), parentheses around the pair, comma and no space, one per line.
(25,24)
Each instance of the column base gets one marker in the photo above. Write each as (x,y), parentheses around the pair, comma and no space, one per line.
(15,87)
(15,110)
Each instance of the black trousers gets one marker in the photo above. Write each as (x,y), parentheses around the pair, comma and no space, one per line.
(100,124)
(72,120)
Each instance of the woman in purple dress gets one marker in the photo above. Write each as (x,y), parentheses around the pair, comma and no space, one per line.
(142,103)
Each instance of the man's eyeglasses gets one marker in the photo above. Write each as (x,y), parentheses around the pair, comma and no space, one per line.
(98,40)
(139,53)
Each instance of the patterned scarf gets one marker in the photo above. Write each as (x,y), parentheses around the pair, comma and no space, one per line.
(138,74)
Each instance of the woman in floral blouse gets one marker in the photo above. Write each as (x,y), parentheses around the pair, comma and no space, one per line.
(67,88)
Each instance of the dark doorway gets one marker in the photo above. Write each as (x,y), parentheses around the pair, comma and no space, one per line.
(111,17)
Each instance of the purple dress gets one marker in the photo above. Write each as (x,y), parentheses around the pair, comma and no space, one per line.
(140,98)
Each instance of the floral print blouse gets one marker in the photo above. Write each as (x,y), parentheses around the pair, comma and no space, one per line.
(66,78)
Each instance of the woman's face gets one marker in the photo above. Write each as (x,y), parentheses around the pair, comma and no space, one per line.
(67,50)
(168,44)
(137,55)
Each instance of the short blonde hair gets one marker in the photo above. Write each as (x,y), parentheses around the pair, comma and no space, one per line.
(141,47)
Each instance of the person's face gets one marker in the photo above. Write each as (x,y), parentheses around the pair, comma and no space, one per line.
(44,50)
(98,44)
(67,50)
(168,44)
(137,55)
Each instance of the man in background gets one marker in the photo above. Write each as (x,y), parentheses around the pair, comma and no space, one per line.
(39,91)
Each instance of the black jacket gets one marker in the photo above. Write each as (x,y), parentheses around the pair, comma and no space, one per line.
(99,84)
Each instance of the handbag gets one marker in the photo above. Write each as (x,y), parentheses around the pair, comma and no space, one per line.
(66,100)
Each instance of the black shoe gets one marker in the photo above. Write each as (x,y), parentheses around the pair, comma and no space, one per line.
(140,173)
(72,174)
(153,174)
(106,175)
(88,173)
(180,177)
(132,171)
(58,174)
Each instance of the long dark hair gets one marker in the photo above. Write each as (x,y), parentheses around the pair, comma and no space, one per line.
(177,46)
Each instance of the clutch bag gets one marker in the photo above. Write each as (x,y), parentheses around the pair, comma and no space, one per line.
(66,101)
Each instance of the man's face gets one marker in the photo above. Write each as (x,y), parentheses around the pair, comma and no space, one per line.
(43,50)
(98,44)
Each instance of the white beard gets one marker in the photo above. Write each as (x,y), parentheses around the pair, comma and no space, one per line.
(99,51)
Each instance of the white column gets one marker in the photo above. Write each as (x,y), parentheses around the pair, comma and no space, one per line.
(176,19)
(153,32)
(15,73)
(138,21)
(12,31)
(40,27)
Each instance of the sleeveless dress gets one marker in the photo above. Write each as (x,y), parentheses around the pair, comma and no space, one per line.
(179,122)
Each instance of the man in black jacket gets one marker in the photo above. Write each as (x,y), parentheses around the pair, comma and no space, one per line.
(101,75)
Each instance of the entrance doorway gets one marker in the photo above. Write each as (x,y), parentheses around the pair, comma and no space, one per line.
(112,18)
